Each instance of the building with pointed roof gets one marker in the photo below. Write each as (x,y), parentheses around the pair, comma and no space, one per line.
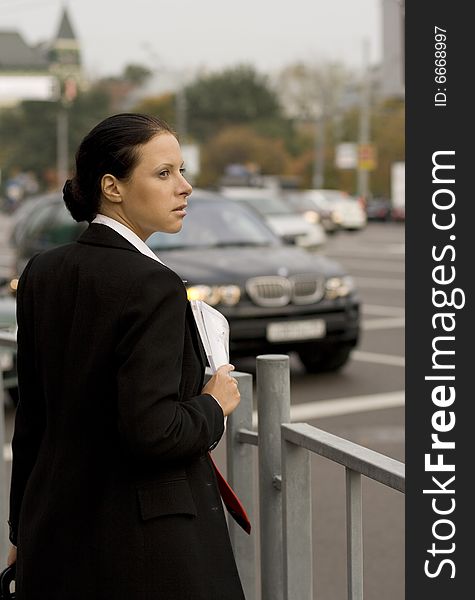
(65,54)
(17,55)
(39,71)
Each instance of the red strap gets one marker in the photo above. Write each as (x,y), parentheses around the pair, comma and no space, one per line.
(231,501)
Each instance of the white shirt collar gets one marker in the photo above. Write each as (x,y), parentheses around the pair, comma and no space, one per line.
(126,233)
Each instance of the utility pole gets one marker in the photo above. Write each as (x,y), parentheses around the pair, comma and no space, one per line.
(318,180)
(62,135)
(181,111)
(364,124)
(67,93)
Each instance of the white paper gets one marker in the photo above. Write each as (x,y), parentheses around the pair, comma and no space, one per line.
(213,328)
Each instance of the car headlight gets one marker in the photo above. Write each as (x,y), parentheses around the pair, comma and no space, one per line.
(230,294)
(337,217)
(311,216)
(216,294)
(13,285)
(337,287)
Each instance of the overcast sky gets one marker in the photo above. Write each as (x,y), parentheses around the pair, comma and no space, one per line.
(205,33)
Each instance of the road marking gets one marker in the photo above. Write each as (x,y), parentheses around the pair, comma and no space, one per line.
(379,359)
(382,311)
(397,248)
(344,406)
(308,411)
(374,265)
(389,323)
(380,283)
(371,253)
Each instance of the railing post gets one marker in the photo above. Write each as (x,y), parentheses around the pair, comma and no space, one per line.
(273,409)
(240,477)
(296,522)
(354,535)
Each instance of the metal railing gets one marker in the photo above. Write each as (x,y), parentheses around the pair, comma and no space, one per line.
(285,487)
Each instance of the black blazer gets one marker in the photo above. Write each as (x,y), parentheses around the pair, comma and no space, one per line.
(112,494)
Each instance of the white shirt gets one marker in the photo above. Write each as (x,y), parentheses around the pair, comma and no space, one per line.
(141,246)
(126,233)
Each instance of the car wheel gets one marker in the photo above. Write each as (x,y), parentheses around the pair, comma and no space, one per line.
(325,358)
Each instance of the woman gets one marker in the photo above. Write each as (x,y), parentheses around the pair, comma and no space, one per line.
(113,493)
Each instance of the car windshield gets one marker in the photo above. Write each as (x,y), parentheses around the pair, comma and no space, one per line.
(332,196)
(268,206)
(212,224)
(300,202)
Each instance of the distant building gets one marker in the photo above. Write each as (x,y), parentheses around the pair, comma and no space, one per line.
(42,71)
(16,56)
(64,53)
(392,66)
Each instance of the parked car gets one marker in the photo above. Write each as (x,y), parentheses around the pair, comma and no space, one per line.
(281,218)
(378,209)
(398,213)
(41,223)
(347,211)
(277,298)
(7,353)
(313,210)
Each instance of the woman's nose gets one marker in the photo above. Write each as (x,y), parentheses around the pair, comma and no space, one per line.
(186,187)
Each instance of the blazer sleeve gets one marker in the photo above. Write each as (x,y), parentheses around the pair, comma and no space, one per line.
(154,422)
(30,413)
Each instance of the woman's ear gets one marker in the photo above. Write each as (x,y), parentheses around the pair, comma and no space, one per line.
(110,188)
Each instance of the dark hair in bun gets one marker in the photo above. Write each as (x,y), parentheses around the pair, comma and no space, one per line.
(111,147)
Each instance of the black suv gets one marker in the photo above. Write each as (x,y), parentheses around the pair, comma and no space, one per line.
(277,298)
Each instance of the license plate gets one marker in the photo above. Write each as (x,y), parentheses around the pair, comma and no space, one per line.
(296,330)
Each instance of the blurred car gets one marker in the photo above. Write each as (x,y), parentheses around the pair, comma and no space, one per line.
(347,211)
(398,213)
(281,218)
(41,223)
(313,210)
(7,353)
(378,209)
(277,298)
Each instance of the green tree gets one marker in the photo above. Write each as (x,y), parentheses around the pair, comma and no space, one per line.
(163,106)
(242,145)
(235,96)
(389,138)
(136,74)
(28,132)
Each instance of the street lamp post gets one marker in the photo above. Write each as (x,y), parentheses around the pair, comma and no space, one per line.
(62,136)
(364,125)
(66,97)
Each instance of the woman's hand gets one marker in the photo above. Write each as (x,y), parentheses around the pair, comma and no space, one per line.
(224,388)
(11,555)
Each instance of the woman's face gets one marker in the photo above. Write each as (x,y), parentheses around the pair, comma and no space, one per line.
(154,197)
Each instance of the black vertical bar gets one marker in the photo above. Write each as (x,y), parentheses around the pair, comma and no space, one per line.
(439,119)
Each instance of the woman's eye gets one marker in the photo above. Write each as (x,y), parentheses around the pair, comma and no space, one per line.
(164,173)
(182,170)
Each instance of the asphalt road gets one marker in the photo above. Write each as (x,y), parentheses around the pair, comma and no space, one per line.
(365,405)
(373,378)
